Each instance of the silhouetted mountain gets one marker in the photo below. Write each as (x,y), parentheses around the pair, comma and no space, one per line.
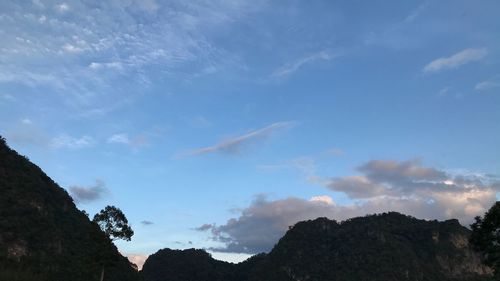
(43,236)
(386,247)
(191,264)
(379,247)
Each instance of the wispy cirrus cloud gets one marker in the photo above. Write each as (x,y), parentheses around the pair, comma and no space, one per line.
(416,12)
(29,132)
(119,138)
(456,60)
(487,85)
(67,141)
(7,97)
(236,144)
(292,67)
(77,49)
(402,34)
(134,141)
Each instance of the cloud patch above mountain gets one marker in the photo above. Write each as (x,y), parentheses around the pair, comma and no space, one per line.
(86,194)
(384,185)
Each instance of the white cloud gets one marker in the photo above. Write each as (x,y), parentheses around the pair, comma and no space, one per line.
(26,121)
(62,8)
(443,92)
(38,3)
(290,68)
(486,85)
(42,19)
(66,141)
(456,60)
(7,97)
(137,141)
(26,132)
(119,138)
(461,195)
(106,65)
(236,144)
(72,48)
(31,79)
(403,186)
(416,13)
(323,198)
(148,5)
(59,50)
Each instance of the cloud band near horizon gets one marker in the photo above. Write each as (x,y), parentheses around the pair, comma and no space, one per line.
(384,185)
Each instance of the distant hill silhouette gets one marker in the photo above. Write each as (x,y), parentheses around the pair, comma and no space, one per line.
(43,236)
(194,264)
(386,247)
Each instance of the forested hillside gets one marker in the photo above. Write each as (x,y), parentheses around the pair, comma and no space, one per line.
(43,236)
(386,247)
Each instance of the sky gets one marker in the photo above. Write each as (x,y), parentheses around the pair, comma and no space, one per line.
(219,124)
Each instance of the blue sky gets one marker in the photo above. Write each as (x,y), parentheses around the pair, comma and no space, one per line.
(217,124)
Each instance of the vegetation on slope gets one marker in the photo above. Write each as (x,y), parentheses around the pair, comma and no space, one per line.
(43,236)
(486,237)
(382,247)
(191,264)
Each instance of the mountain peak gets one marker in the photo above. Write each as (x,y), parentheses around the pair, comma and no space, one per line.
(43,236)
(386,247)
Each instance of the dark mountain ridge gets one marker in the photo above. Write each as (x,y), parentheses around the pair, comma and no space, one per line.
(43,236)
(386,247)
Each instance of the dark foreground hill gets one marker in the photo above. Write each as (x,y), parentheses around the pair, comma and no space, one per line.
(43,236)
(386,247)
(194,265)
